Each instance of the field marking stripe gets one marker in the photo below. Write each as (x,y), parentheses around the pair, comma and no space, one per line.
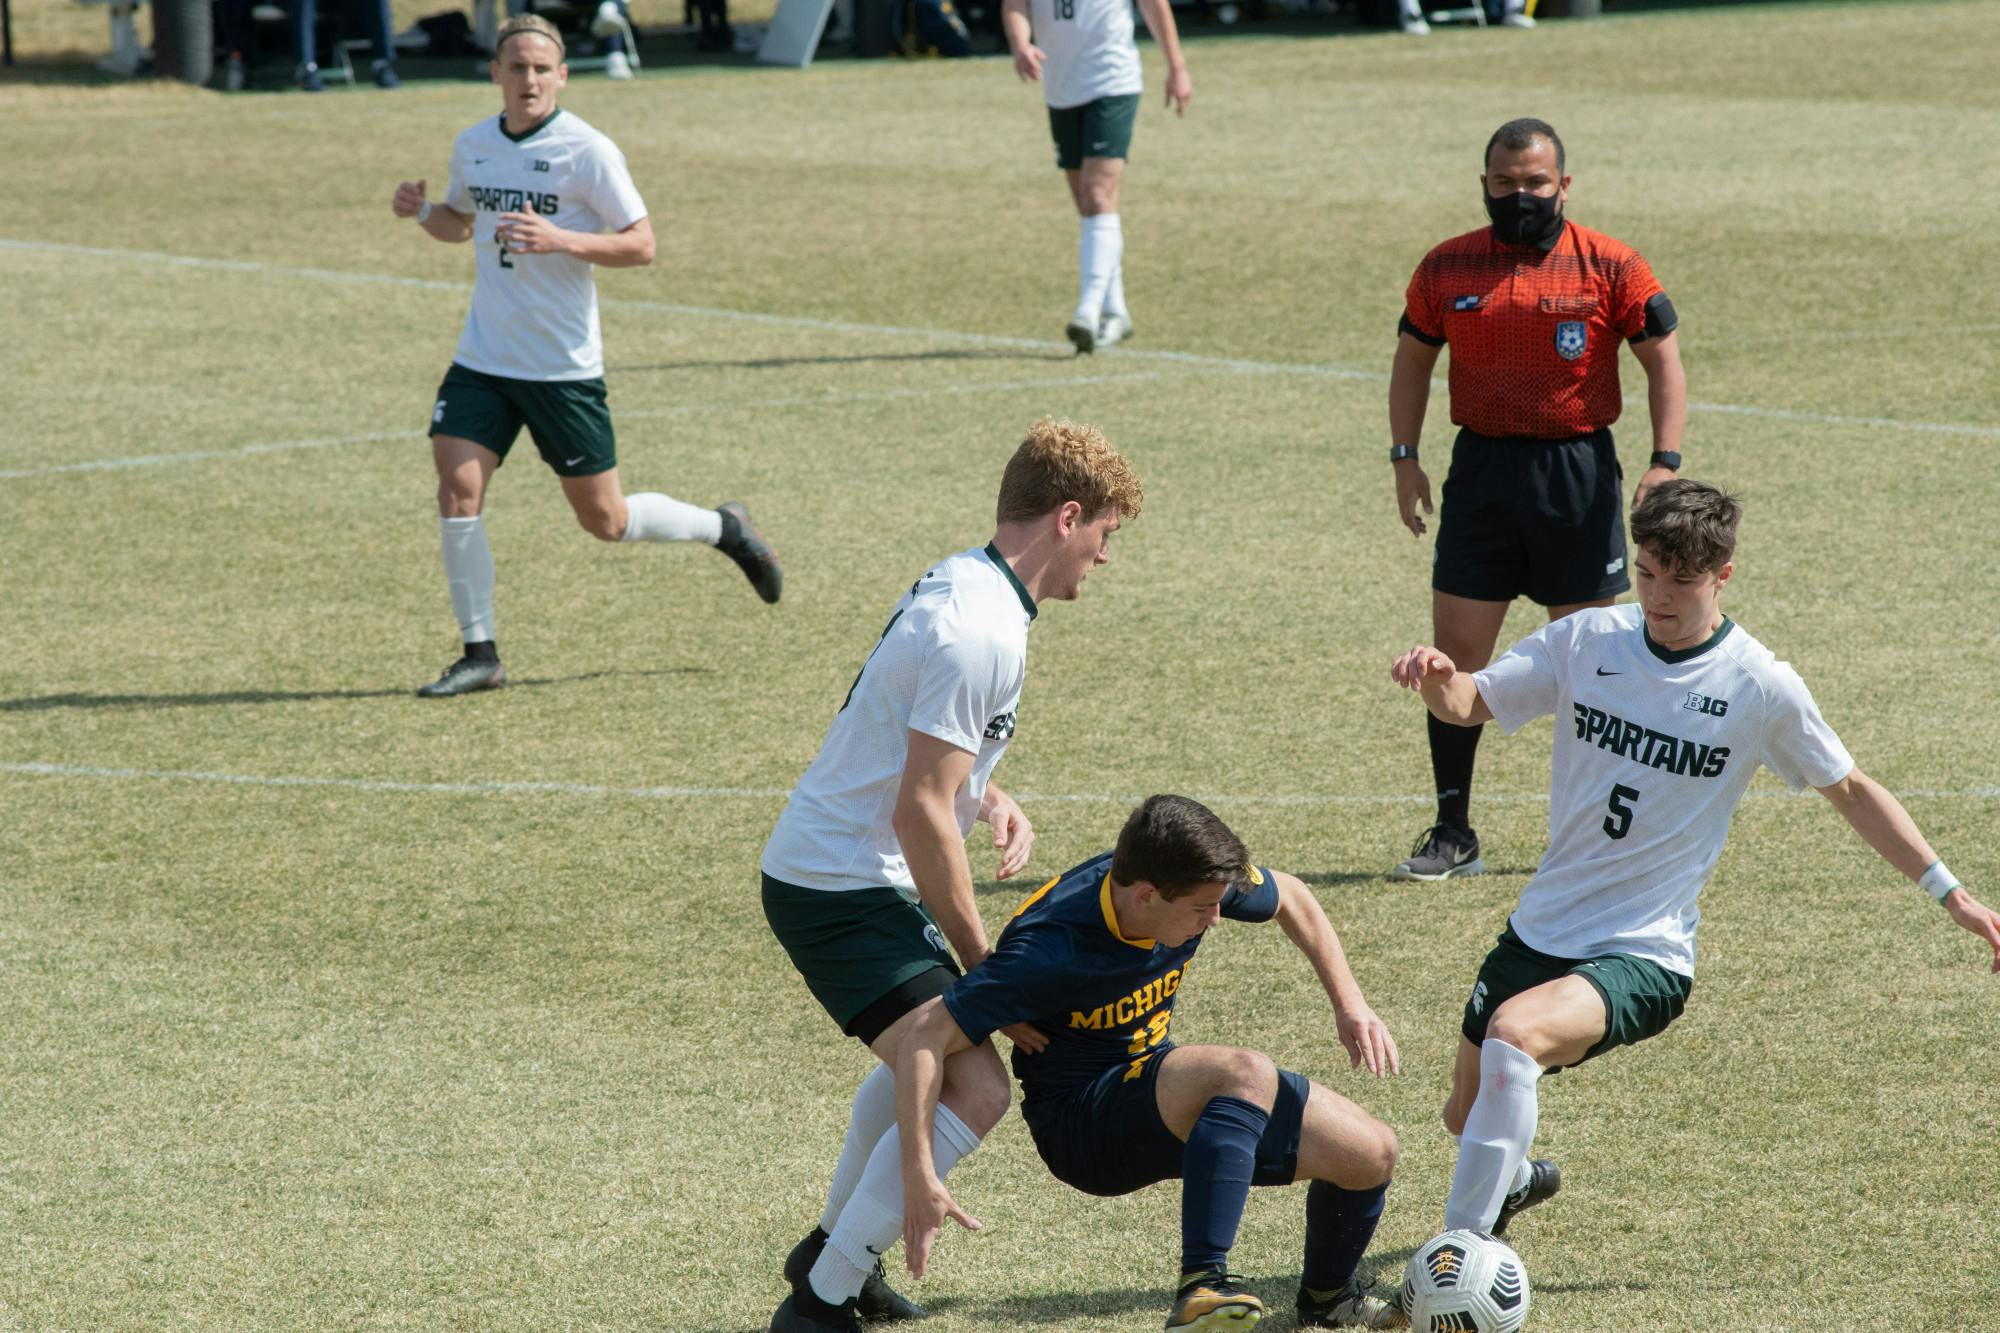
(686,409)
(1330,371)
(499,788)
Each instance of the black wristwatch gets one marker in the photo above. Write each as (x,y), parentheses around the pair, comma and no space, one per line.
(1667,458)
(1398,452)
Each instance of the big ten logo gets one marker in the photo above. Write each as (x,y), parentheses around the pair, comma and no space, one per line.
(1702,703)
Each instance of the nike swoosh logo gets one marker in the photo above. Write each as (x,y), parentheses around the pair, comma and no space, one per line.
(1602,672)
(872,1250)
(478,161)
(572,462)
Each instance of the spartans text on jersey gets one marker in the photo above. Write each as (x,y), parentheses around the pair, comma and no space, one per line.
(1649,748)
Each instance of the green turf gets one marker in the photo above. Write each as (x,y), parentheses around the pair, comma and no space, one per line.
(328,1055)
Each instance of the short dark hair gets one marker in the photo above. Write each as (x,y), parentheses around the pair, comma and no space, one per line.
(1518,134)
(1177,845)
(1688,525)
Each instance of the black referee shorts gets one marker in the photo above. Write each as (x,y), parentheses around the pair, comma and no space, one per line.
(1542,519)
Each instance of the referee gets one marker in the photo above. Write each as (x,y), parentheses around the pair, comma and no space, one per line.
(1534,308)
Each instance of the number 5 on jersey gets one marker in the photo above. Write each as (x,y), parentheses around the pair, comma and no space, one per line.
(1619,822)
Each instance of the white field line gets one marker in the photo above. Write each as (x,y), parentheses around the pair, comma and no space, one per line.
(1328,371)
(686,409)
(497,788)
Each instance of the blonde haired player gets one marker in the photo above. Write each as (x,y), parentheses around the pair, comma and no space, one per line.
(1083,55)
(547,197)
(1664,709)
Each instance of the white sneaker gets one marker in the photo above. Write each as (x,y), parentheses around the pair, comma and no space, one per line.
(1514,18)
(616,66)
(1113,329)
(1416,27)
(607,22)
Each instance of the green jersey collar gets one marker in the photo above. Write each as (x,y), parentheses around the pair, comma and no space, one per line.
(1681,655)
(531,131)
(1020,589)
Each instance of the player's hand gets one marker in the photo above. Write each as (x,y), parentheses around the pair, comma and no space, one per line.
(1013,835)
(1180,90)
(926,1204)
(530,233)
(1653,477)
(1976,917)
(1028,63)
(1414,667)
(409,200)
(1412,488)
(1028,1037)
(1368,1041)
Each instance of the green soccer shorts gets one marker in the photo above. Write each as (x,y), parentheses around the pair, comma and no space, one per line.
(1096,129)
(568,420)
(854,946)
(1640,997)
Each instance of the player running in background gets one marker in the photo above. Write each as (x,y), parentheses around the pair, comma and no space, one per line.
(1664,709)
(546,196)
(1083,55)
(865,878)
(1095,961)
(1535,309)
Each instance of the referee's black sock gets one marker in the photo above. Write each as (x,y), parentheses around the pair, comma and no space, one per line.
(483,651)
(1453,749)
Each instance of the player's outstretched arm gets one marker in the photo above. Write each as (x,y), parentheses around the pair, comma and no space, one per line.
(1449,693)
(1159,16)
(1667,396)
(1886,826)
(1364,1035)
(441,220)
(934,1035)
(926,825)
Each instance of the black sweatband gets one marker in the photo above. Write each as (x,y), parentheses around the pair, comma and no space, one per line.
(1667,458)
(1660,317)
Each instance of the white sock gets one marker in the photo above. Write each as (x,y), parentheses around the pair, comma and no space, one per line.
(872,1221)
(652,517)
(1114,295)
(1100,248)
(468,568)
(1497,1134)
(874,1115)
(1524,1173)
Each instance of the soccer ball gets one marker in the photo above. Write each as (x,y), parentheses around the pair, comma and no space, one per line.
(1466,1282)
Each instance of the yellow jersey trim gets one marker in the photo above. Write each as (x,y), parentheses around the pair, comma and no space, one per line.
(1111,917)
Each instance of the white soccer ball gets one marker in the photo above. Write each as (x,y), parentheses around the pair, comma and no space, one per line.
(1466,1282)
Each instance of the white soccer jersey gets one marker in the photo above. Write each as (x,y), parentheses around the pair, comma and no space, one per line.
(1090,49)
(534,317)
(1653,750)
(950,664)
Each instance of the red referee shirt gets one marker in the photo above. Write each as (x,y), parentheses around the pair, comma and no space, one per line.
(1534,334)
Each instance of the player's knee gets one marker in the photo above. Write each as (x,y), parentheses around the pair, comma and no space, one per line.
(1248,1075)
(456,500)
(978,1090)
(1378,1155)
(1515,1027)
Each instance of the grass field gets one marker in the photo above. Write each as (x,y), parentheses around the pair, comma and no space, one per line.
(327,1007)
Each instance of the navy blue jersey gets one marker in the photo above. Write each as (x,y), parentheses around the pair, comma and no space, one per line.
(1103,999)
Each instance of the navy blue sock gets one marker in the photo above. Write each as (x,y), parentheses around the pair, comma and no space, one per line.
(1339,1225)
(1216,1166)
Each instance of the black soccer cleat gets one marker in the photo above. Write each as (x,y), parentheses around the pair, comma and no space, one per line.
(465,676)
(1442,851)
(1544,1179)
(1083,336)
(879,1302)
(791,1318)
(753,555)
(1354,1306)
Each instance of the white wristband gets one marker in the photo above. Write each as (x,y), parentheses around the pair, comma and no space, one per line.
(424,213)
(1938,881)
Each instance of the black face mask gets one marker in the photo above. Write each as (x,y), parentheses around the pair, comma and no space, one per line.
(1524,219)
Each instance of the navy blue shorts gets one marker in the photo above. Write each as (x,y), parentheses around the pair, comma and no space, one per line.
(1107,1137)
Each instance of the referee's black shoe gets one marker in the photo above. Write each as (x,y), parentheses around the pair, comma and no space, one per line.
(465,676)
(1442,851)
(741,542)
(812,1315)
(1544,1179)
(879,1302)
